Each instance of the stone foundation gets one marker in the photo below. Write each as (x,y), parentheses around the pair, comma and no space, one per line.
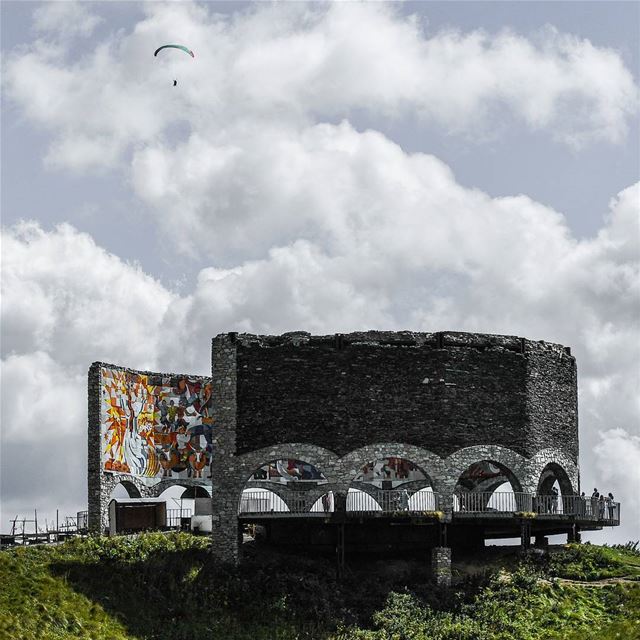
(441,565)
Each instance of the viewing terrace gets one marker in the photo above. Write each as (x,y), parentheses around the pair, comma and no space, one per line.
(258,504)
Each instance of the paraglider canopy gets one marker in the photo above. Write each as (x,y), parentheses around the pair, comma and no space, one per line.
(174,46)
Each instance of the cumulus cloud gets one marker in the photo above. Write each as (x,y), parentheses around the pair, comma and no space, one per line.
(64,296)
(617,454)
(65,19)
(295,63)
(330,183)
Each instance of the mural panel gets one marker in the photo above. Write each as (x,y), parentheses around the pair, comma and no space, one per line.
(156,427)
(395,470)
(285,471)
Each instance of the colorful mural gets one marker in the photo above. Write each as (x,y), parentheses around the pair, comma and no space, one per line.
(394,469)
(156,427)
(284,471)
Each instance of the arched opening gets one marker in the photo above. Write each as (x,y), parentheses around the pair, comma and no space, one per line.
(489,486)
(124,490)
(391,485)
(423,500)
(179,506)
(555,495)
(284,486)
(261,502)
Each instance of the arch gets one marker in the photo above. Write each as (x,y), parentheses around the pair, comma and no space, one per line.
(423,500)
(130,488)
(467,481)
(429,463)
(513,464)
(557,460)
(187,483)
(261,500)
(196,491)
(551,474)
(323,459)
(285,494)
(363,499)
(134,486)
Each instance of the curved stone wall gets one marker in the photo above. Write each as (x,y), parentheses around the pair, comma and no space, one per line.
(440,392)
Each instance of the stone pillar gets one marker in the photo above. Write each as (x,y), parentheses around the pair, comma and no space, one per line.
(541,541)
(97,506)
(340,502)
(573,535)
(226,487)
(445,502)
(441,565)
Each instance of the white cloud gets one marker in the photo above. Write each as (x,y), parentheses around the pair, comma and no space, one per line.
(42,400)
(346,190)
(298,63)
(66,297)
(617,455)
(65,19)
(44,426)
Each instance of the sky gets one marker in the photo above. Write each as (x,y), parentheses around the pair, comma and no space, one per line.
(328,167)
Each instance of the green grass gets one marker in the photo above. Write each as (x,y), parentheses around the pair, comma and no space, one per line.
(590,562)
(168,586)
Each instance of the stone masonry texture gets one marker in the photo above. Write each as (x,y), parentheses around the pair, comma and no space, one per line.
(440,392)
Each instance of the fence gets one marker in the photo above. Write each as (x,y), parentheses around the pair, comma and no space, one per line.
(263,501)
(397,501)
(175,517)
(391,501)
(550,505)
(492,502)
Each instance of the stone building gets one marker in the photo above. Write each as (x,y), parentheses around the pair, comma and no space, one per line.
(429,426)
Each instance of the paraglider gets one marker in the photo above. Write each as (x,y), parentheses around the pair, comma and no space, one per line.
(174,46)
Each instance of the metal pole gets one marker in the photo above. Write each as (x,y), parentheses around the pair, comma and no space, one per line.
(57,528)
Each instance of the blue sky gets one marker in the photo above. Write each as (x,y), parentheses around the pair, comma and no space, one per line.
(327,167)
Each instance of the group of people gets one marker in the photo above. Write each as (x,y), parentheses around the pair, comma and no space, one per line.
(599,505)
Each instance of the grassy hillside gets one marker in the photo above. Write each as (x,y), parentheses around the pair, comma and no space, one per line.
(167,586)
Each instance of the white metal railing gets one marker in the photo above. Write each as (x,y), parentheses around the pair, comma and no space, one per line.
(391,501)
(581,507)
(264,501)
(398,501)
(488,502)
(175,516)
(514,502)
